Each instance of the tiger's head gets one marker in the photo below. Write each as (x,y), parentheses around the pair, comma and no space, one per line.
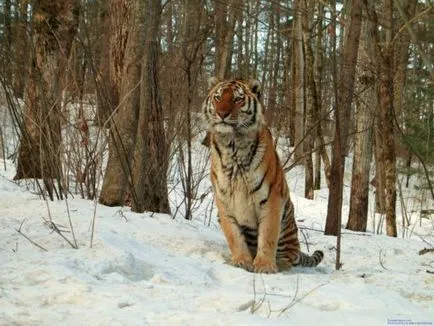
(233,106)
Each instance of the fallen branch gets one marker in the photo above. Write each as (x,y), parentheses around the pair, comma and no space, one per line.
(380,256)
(256,305)
(55,228)
(27,238)
(294,302)
(425,251)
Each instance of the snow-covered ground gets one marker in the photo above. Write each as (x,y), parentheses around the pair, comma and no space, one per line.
(150,269)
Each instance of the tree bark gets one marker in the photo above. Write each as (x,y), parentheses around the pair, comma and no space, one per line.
(150,167)
(388,137)
(311,103)
(385,118)
(111,45)
(401,61)
(225,18)
(123,126)
(366,105)
(343,109)
(54,25)
(298,83)
(7,41)
(21,53)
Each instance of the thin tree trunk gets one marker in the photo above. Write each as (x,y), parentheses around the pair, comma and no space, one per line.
(298,83)
(225,30)
(365,110)
(287,119)
(388,126)
(311,104)
(343,109)
(386,108)
(21,52)
(150,168)
(7,41)
(274,68)
(401,62)
(318,114)
(112,48)
(385,137)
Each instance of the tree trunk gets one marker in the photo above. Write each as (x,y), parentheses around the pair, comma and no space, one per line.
(54,25)
(286,116)
(111,51)
(385,118)
(319,140)
(365,109)
(298,83)
(311,103)
(21,52)
(401,61)
(6,70)
(343,109)
(380,200)
(225,19)
(123,127)
(274,68)
(150,167)
(388,137)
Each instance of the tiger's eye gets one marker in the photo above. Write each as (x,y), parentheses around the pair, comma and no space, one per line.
(217,97)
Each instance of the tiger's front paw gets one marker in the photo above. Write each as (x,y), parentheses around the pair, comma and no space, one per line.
(243,261)
(263,264)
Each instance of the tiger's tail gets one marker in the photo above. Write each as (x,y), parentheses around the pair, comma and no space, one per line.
(305,260)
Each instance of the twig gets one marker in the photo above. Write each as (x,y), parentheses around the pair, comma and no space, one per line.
(294,302)
(255,306)
(381,260)
(425,251)
(70,222)
(414,38)
(28,239)
(305,239)
(56,229)
(346,233)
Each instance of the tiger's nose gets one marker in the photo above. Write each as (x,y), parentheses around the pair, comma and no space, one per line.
(223,114)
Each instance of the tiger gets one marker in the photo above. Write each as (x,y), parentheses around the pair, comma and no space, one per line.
(254,207)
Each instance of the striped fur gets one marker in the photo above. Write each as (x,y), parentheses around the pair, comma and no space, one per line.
(255,210)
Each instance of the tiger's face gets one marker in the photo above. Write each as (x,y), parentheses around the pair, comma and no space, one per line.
(233,106)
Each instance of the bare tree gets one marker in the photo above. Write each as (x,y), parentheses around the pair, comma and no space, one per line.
(312,106)
(224,20)
(151,159)
(7,34)
(297,94)
(343,110)
(366,105)
(385,122)
(20,46)
(123,127)
(54,27)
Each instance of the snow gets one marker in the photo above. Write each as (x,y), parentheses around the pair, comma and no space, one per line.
(151,269)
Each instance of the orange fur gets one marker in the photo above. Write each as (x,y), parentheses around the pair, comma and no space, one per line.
(252,196)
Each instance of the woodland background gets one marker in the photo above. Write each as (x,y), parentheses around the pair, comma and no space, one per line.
(102,98)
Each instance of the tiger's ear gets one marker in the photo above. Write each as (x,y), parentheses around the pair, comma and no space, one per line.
(255,87)
(212,82)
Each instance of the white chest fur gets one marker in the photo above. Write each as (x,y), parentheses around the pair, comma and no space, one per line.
(239,175)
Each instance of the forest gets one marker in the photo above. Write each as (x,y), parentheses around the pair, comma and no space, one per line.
(107,214)
(104,96)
